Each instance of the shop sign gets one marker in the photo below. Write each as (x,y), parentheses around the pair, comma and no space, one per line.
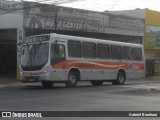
(39,16)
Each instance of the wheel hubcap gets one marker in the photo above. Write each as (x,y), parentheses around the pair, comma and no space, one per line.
(121,78)
(72,79)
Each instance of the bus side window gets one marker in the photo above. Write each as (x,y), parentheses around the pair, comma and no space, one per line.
(57,53)
(137,54)
(127,53)
(116,52)
(89,50)
(103,51)
(74,49)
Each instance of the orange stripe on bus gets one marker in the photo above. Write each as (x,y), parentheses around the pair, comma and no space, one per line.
(98,65)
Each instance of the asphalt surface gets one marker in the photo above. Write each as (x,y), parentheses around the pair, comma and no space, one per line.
(135,95)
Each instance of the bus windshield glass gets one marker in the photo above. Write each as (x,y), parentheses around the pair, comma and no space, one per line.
(35,56)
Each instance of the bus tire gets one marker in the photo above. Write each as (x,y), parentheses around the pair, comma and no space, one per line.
(47,84)
(121,77)
(72,80)
(96,83)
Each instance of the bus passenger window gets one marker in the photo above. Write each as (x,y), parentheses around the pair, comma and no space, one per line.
(137,54)
(116,52)
(103,51)
(57,53)
(89,50)
(127,53)
(74,49)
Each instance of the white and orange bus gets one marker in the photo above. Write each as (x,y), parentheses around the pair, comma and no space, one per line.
(55,58)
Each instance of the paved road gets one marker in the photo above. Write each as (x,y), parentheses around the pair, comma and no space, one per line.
(135,95)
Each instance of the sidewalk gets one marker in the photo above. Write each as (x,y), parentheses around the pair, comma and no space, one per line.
(153,77)
(8,78)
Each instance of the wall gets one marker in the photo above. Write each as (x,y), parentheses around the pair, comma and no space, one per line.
(11,20)
(152,40)
(69,19)
(136,13)
(11,14)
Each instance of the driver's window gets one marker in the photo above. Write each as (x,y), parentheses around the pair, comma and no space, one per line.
(57,53)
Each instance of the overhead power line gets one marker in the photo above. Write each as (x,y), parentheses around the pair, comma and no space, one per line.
(55,2)
(8,5)
(35,14)
(6,9)
(42,5)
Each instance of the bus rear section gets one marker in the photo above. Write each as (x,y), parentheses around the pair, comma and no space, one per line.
(67,59)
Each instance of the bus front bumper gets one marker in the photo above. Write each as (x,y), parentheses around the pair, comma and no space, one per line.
(34,78)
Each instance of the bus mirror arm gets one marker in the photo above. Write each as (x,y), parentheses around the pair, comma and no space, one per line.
(56,41)
(19,44)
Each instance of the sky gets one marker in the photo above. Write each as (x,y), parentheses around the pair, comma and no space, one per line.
(112,5)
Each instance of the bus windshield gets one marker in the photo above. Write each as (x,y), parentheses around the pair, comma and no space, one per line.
(35,56)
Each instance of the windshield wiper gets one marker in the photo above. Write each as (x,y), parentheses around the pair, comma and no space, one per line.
(32,52)
(36,51)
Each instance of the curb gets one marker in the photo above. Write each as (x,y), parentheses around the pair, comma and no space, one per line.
(9,85)
(155,89)
(153,77)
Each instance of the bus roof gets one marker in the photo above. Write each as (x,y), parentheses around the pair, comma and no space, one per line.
(86,39)
(69,37)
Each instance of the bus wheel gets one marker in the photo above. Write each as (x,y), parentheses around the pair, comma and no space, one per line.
(120,78)
(96,83)
(47,84)
(72,80)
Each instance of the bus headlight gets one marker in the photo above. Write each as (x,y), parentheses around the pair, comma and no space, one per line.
(21,73)
(45,71)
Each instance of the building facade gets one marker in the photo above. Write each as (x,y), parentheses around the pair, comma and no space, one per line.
(23,19)
(151,39)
